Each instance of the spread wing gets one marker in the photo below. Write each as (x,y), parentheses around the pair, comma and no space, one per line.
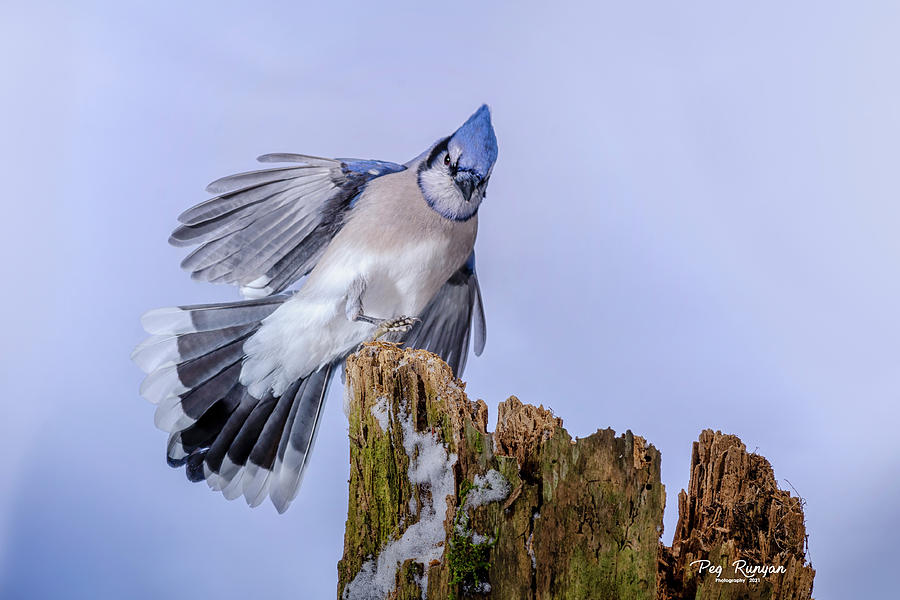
(267,229)
(447,322)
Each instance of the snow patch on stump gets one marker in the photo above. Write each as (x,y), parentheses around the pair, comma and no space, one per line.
(490,487)
(432,469)
(379,410)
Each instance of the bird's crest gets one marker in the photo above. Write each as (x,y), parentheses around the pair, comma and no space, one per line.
(477,142)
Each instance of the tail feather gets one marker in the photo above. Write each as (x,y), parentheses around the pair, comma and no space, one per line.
(293,460)
(155,351)
(178,320)
(220,432)
(229,430)
(240,448)
(161,384)
(255,484)
(201,388)
(262,455)
(195,371)
(266,443)
(195,345)
(198,436)
(279,497)
(194,467)
(158,350)
(169,415)
(200,399)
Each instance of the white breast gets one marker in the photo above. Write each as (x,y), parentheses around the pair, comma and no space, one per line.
(312,329)
(403,262)
(403,283)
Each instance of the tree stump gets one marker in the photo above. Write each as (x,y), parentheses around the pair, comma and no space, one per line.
(734,515)
(441,508)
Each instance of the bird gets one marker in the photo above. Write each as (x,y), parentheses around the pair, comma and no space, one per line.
(327,254)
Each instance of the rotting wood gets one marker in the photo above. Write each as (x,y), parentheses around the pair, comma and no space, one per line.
(734,512)
(527,512)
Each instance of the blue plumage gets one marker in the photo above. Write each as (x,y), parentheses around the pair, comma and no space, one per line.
(454,177)
(372,168)
(476,143)
(241,386)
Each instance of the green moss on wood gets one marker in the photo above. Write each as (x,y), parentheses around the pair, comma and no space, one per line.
(578,511)
(469,562)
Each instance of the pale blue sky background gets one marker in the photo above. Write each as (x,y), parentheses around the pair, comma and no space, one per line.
(695,212)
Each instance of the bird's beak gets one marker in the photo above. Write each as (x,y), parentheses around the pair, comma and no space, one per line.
(466,184)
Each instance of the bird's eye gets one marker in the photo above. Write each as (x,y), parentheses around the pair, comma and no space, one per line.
(447,160)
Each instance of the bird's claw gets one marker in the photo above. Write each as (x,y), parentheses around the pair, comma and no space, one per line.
(400,324)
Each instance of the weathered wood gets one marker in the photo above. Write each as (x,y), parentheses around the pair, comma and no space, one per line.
(441,508)
(553,518)
(734,511)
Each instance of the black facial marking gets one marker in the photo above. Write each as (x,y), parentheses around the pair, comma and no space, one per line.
(436,151)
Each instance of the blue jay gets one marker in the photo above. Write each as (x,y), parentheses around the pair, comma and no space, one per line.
(380,249)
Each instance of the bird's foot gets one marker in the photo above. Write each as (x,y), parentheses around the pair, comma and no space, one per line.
(400,324)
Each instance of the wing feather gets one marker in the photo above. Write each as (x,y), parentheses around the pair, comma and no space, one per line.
(266,229)
(251,178)
(446,324)
(236,200)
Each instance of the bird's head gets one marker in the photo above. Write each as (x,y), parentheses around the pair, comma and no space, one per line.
(455,174)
